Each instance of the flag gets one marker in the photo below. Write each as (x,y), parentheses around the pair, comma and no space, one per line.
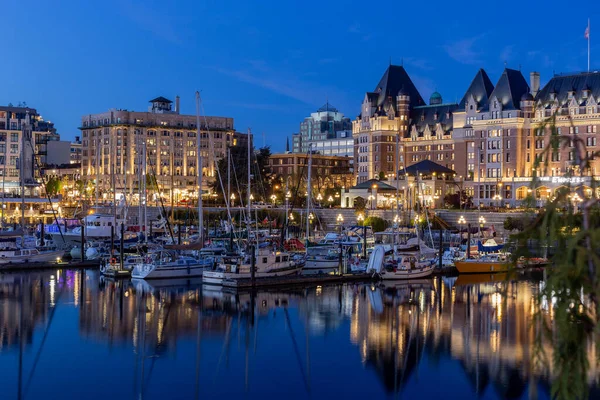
(587,33)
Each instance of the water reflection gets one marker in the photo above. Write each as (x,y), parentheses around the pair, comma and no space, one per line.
(479,331)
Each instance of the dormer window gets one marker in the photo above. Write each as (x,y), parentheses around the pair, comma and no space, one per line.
(495,104)
(470,106)
(571,94)
(422,117)
(586,93)
(552,96)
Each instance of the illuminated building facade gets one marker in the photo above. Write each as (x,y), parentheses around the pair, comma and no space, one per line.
(17,123)
(492,138)
(113,142)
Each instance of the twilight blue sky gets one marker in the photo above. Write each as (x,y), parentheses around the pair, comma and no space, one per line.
(269,64)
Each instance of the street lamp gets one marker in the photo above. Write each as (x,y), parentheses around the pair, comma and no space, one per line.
(371,198)
(273,199)
(232,197)
(340,220)
(461,221)
(481,223)
(360,218)
(374,190)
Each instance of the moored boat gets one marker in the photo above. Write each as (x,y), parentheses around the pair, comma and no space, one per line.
(488,263)
(268,264)
(166,264)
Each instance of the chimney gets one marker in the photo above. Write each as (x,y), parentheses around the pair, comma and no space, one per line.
(534,83)
(76,139)
(176,104)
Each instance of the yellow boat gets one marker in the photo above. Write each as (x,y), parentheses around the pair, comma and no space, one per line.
(475,279)
(489,263)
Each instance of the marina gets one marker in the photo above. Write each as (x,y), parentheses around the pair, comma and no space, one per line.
(393,339)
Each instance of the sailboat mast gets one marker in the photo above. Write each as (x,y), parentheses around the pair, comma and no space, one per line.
(3,179)
(22,172)
(97,188)
(249,194)
(140,162)
(308,193)
(113,181)
(199,172)
(145,191)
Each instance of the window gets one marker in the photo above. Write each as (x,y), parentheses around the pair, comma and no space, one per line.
(507,157)
(14,137)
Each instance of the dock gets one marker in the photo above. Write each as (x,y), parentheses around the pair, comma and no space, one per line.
(294,280)
(49,265)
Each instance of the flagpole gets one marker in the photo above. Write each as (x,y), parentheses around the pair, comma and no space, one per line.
(588,38)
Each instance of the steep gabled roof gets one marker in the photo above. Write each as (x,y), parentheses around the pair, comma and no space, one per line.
(510,88)
(426,115)
(327,107)
(426,167)
(481,88)
(393,80)
(160,99)
(562,84)
(369,185)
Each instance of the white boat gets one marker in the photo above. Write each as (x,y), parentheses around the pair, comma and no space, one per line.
(321,259)
(449,257)
(166,264)
(12,252)
(96,227)
(402,266)
(406,267)
(268,264)
(20,256)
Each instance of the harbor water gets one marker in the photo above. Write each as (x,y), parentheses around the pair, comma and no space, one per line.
(70,334)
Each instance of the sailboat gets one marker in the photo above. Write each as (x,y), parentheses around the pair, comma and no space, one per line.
(11,253)
(166,263)
(13,250)
(269,263)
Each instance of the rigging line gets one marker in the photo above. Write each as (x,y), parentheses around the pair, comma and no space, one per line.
(295,344)
(162,205)
(47,194)
(39,352)
(214,164)
(154,356)
(223,348)
(237,185)
(294,197)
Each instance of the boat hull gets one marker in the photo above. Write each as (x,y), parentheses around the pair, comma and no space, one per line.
(50,256)
(481,267)
(149,271)
(217,277)
(407,274)
(321,264)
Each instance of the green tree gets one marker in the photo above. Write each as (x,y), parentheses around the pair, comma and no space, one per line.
(376,223)
(458,200)
(262,179)
(360,204)
(567,225)
(54,186)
